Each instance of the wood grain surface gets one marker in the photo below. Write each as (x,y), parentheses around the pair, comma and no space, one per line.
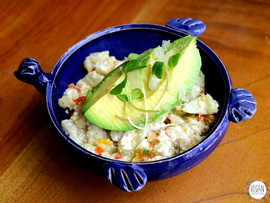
(35,168)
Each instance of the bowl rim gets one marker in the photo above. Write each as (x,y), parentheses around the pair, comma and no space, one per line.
(102,33)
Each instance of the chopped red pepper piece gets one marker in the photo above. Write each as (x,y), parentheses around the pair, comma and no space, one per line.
(82,98)
(71,85)
(98,150)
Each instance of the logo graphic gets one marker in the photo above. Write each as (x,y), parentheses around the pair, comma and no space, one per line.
(256,189)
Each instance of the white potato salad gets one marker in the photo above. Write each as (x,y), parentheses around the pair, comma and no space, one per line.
(170,134)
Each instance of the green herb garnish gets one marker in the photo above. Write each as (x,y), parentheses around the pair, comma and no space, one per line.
(144,153)
(130,66)
(122,97)
(157,69)
(173,61)
(137,94)
(145,61)
(118,89)
(137,62)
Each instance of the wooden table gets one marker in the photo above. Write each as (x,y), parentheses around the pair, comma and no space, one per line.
(35,168)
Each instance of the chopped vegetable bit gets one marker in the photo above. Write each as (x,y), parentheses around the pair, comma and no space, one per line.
(71,85)
(82,98)
(99,151)
(105,141)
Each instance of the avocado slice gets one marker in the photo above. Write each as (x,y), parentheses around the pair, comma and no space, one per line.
(107,111)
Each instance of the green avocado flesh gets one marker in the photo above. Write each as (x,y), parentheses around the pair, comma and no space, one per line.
(108,111)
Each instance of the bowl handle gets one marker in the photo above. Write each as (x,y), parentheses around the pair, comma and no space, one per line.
(30,72)
(129,178)
(188,25)
(242,105)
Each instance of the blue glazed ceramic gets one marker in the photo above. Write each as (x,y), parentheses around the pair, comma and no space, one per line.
(236,105)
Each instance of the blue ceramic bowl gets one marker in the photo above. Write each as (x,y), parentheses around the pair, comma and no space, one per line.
(236,105)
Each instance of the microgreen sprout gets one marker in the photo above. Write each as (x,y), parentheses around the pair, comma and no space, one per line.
(118,89)
(130,66)
(122,97)
(157,69)
(145,61)
(140,57)
(137,62)
(137,94)
(143,153)
(173,61)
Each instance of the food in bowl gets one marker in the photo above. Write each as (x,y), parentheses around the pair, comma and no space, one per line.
(235,105)
(144,136)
